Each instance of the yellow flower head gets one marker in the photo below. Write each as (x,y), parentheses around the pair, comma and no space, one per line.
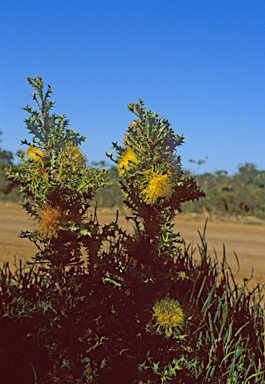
(49,222)
(71,155)
(168,315)
(35,153)
(182,275)
(159,185)
(124,163)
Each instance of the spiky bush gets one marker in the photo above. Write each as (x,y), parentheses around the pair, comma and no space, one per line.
(139,309)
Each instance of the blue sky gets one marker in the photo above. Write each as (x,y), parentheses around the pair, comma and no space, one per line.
(200,64)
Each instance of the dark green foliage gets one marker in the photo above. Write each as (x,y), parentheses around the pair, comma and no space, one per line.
(111,195)
(6,187)
(241,194)
(6,157)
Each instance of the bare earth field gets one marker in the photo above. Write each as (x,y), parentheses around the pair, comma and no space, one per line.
(247,240)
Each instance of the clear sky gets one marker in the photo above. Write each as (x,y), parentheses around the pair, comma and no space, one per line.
(200,64)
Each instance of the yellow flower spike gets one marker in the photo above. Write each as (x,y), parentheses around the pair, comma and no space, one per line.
(35,153)
(168,315)
(159,185)
(73,157)
(129,156)
(49,222)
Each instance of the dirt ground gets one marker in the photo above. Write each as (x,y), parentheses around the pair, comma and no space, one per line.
(247,240)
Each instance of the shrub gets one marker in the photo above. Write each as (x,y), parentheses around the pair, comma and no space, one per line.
(138,311)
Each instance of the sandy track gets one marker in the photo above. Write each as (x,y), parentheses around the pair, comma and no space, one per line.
(248,241)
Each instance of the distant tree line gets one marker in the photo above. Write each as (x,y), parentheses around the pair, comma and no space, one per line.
(8,190)
(242,194)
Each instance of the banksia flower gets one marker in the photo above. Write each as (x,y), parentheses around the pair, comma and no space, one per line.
(49,222)
(168,315)
(72,156)
(159,185)
(35,153)
(128,157)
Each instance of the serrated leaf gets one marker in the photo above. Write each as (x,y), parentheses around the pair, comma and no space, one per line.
(156,367)
(84,232)
(73,228)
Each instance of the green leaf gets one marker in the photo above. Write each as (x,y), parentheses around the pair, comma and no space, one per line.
(73,228)
(112,282)
(84,232)
(156,367)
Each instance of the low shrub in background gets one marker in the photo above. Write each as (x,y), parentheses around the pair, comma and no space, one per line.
(138,311)
(242,194)
(8,191)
